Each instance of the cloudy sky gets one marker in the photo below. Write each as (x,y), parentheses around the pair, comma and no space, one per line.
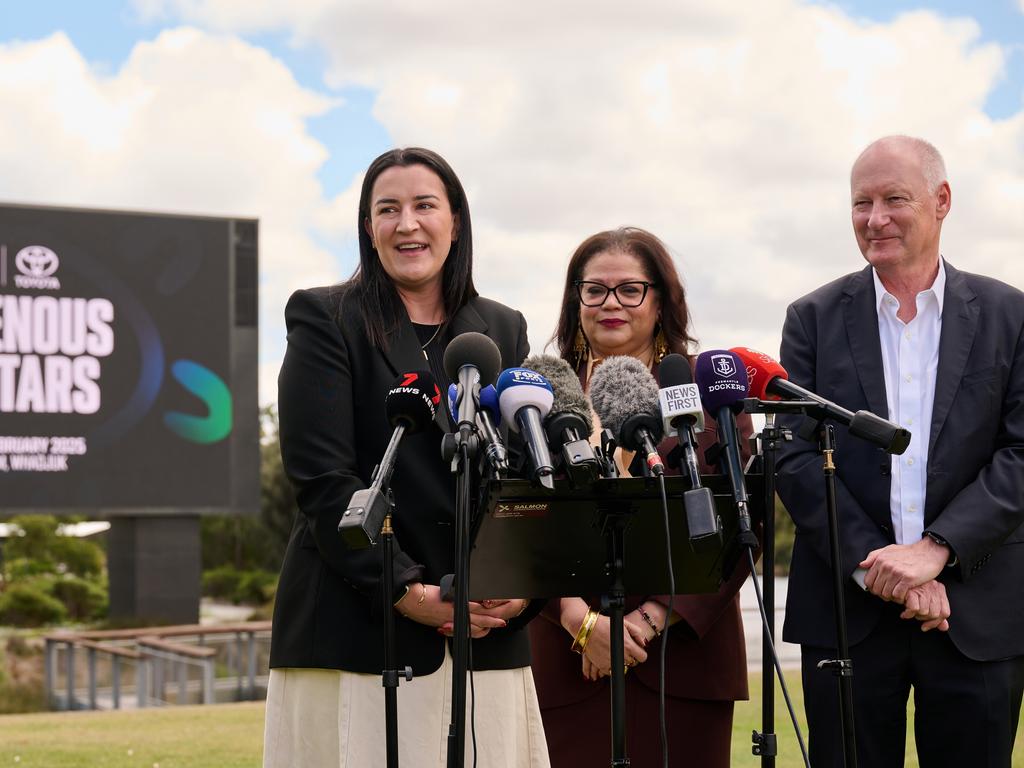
(727,129)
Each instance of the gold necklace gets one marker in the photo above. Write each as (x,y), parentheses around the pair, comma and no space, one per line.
(423,347)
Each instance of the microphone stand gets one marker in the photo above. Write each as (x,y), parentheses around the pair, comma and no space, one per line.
(390,674)
(842,667)
(373,501)
(765,742)
(461,448)
(613,524)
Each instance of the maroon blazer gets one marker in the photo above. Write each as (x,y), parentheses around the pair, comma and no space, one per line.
(706,656)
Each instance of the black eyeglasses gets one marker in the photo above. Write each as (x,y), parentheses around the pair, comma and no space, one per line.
(629,294)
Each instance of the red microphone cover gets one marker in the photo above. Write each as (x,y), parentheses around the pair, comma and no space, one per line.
(761,369)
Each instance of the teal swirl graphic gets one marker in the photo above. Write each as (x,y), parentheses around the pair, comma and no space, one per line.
(211,389)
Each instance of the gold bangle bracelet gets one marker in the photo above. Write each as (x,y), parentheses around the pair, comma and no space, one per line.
(583,635)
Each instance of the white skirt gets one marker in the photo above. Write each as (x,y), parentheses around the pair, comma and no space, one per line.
(322,718)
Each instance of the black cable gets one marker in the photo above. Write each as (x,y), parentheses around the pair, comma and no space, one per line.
(775,660)
(664,630)
(472,700)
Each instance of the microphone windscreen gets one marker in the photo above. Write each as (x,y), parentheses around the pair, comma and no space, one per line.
(620,388)
(673,370)
(473,349)
(678,396)
(489,403)
(761,369)
(519,387)
(412,401)
(721,379)
(565,385)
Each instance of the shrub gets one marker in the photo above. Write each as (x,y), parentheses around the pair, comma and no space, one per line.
(28,605)
(78,556)
(84,599)
(253,587)
(38,549)
(250,587)
(221,582)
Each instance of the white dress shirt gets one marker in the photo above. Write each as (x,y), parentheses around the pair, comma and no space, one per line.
(910,359)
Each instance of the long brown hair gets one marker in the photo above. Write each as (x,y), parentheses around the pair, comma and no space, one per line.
(675,316)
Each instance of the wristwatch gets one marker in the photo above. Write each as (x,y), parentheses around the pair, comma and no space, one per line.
(939,540)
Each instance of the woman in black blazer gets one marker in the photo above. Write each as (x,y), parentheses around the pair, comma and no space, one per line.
(412,293)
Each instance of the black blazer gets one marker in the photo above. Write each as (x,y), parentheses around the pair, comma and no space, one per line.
(332,387)
(975,490)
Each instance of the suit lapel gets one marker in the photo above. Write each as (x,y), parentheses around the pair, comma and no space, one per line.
(959,324)
(468,320)
(861,317)
(405,354)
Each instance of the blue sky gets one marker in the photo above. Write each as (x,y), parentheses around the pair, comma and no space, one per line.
(726,129)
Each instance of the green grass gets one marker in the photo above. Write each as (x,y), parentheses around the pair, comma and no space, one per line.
(221,736)
(747,718)
(231,736)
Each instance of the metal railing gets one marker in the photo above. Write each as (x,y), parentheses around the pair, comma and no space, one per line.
(141,662)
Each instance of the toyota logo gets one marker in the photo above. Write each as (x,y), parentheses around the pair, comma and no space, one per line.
(36,261)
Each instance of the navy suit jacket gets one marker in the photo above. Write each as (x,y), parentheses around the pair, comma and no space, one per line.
(975,479)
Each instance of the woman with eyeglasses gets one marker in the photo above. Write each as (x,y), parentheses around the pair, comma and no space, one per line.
(623,296)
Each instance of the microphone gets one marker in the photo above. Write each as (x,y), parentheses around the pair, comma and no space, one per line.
(525,398)
(722,380)
(679,396)
(453,402)
(681,412)
(471,360)
(410,406)
(769,378)
(488,419)
(569,423)
(625,396)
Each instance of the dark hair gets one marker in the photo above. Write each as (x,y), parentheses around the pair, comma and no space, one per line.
(378,300)
(675,316)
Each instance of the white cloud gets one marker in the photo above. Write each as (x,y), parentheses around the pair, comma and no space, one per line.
(726,129)
(190,123)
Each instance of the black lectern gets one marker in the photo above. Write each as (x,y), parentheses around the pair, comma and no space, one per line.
(532,542)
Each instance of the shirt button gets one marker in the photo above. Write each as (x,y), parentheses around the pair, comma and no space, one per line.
(909,422)
(910,462)
(909,335)
(907,378)
(912,507)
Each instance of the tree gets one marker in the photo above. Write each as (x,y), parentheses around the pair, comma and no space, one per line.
(255,542)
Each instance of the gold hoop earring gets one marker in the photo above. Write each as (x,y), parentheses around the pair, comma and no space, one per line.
(580,347)
(660,345)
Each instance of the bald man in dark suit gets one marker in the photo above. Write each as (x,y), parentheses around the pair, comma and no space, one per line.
(930,541)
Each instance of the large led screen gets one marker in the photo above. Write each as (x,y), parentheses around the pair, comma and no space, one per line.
(119,384)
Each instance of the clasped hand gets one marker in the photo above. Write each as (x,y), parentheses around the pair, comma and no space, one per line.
(597,656)
(423,604)
(905,574)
